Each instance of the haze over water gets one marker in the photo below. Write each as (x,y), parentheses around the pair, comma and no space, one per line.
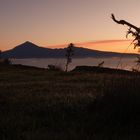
(124,63)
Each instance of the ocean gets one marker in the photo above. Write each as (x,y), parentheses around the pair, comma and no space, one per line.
(114,62)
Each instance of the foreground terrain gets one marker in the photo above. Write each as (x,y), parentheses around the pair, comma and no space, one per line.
(37,104)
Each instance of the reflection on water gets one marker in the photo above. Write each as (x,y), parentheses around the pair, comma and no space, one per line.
(125,63)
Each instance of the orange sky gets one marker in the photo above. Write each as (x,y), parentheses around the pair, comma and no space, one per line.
(105,45)
(54,22)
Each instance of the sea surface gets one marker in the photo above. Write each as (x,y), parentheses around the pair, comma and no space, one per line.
(121,63)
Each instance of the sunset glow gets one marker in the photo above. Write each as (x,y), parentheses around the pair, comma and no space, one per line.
(49,23)
(122,46)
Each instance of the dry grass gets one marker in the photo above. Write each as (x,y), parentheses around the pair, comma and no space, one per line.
(39,104)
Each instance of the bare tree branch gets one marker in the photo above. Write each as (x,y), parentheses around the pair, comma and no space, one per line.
(123,22)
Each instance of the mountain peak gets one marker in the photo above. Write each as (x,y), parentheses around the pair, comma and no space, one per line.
(30,50)
(26,44)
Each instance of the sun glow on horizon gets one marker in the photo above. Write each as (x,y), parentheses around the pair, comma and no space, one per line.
(52,22)
(119,45)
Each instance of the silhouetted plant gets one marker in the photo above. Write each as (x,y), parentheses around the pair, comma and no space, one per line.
(135,33)
(69,54)
(55,68)
(137,66)
(7,61)
(101,64)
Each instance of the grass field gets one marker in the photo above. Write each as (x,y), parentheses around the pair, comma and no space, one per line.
(37,104)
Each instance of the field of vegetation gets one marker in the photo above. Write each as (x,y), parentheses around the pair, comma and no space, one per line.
(37,104)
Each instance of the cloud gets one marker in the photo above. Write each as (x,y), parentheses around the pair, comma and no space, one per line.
(93,43)
(104,42)
(118,45)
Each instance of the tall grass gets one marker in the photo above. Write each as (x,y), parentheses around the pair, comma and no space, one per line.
(39,104)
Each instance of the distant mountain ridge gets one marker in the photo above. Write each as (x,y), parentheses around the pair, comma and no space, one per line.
(31,50)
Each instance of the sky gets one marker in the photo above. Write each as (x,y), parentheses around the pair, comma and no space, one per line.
(55,23)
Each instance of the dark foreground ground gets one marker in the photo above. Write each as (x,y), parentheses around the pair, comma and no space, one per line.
(37,104)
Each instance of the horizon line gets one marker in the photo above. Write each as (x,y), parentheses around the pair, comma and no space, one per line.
(94,41)
(81,44)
